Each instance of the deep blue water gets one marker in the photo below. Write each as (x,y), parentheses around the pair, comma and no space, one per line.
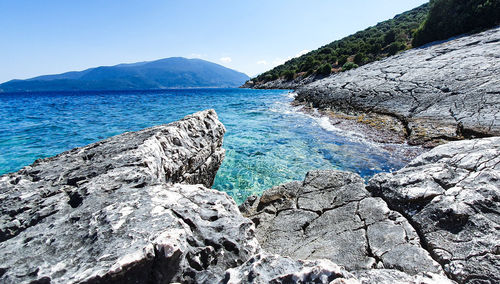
(268,142)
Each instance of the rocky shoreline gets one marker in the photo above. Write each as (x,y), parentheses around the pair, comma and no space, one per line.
(137,208)
(443,92)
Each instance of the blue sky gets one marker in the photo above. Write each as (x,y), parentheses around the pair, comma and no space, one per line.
(54,36)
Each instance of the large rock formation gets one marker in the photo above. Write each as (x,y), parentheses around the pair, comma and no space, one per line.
(451,195)
(331,215)
(442,92)
(135,208)
(114,211)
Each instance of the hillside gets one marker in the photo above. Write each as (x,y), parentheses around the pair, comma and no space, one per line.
(174,72)
(371,44)
(449,18)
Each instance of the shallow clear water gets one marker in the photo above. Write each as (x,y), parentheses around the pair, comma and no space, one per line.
(268,142)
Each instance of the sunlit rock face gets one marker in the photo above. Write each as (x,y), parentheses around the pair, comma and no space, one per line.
(330,215)
(451,194)
(132,208)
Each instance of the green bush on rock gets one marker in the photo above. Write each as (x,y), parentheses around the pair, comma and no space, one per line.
(325,69)
(349,66)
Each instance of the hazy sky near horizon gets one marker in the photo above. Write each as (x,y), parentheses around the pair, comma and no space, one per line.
(55,36)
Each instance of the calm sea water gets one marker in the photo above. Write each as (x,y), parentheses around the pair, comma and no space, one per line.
(268,142)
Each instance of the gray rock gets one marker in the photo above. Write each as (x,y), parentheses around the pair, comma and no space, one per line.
(125,210)
(442,92)
(282,83)
(451,195)
(265,268)
(332,216)
(391,276)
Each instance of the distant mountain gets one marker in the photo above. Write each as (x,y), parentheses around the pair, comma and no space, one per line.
(174,72)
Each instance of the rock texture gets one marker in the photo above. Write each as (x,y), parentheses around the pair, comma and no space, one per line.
(451,195)
(116,211)
(442,92)
(330,215)
(265,268)
(392,276)
(283,83)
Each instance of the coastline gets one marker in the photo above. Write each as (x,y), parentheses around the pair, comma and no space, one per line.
(384,131)
(426,95)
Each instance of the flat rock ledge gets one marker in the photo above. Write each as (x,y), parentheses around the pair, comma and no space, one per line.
(447,91)
(330,215)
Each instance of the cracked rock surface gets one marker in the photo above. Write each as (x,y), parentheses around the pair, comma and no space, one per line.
(451,195)
(125,210)
(446,91)
(330,215)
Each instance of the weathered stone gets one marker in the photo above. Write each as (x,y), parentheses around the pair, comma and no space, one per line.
(451,195)
(332,216)
(391,276)
(442,92)
(265,268)
(114,211)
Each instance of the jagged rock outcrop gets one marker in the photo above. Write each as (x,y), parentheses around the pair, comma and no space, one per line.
(451,196)
(125,210)
(442,92)
(331,215)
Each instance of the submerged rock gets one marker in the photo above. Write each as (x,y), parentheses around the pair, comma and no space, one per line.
(451,195)
(330,215)
(446,91)
(125,210)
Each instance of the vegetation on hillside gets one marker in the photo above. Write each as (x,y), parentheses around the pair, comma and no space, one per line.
(374,43)
(448,18)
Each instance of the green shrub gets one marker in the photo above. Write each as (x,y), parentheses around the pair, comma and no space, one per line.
(349,66)
(326,50)
(325,69)
(448,18)
(395,47)
(288,74)
(360,58)
(342,60)
(267,77)
(389,37)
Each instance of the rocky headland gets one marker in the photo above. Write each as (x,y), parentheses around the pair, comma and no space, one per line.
(430,95)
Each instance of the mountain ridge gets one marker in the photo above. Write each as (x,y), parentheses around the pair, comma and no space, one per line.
(172,72)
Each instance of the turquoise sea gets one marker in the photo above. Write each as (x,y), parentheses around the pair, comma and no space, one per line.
(268,142)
